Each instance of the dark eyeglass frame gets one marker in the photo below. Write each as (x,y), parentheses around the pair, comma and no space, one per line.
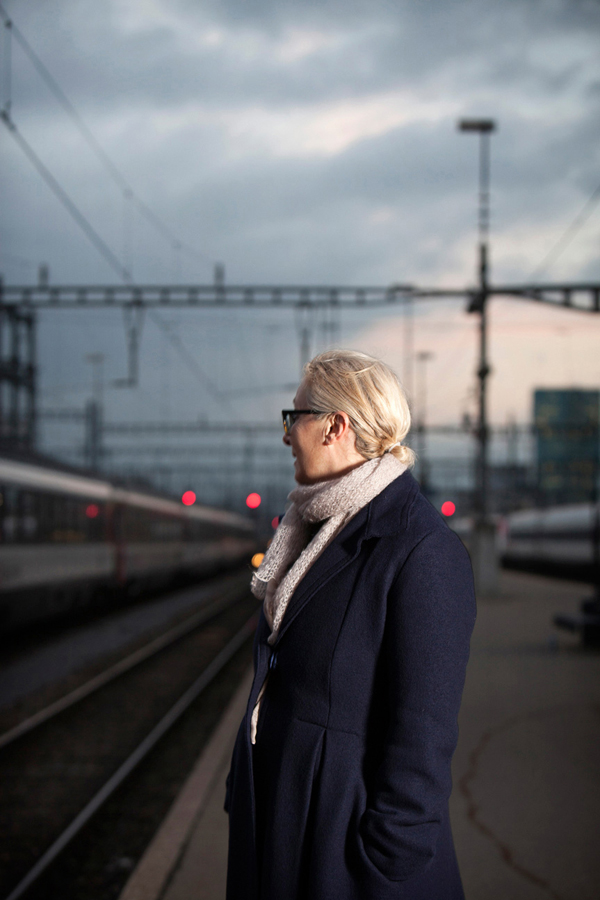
(289,416)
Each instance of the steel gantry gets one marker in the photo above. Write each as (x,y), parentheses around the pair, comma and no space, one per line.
(135,300)
(580,296)
(19,303)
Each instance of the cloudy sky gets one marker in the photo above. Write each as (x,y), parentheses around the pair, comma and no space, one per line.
(307,142)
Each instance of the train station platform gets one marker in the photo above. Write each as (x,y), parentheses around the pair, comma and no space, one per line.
(526,799)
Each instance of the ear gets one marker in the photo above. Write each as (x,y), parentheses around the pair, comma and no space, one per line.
(337,429)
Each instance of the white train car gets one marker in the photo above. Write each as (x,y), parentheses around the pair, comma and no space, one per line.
(65,537)
(559,540)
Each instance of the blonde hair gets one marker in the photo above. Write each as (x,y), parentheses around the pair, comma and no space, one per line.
(369,392)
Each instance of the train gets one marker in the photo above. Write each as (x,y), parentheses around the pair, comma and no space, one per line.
(69,539)
(562,541)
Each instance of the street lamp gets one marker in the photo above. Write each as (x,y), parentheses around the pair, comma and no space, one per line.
(483,127)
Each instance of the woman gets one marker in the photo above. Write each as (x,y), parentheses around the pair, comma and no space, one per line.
(340,777)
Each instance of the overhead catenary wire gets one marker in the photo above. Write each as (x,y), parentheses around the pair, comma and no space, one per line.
(7,65)
(190,361)
(103,248)
(561,245)
(128,193)
(81,220)
(60,193)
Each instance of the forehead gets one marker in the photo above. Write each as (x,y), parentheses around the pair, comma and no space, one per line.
(300,398)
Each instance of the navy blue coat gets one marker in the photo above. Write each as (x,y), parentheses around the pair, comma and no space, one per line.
(345,794)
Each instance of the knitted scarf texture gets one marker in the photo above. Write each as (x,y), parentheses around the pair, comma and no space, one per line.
(292,551)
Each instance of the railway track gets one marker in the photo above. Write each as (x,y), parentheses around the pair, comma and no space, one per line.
(76,775)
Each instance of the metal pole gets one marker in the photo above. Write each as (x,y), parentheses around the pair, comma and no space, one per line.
(484,128)
(7,73)
(423,358)
(15,373)
(408,348)
(94,413)
(484,369)
(483,541)
(30,323)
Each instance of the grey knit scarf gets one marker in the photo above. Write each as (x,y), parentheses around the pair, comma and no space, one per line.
(292,551)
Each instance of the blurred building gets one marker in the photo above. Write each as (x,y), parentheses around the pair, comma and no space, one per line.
(566,426)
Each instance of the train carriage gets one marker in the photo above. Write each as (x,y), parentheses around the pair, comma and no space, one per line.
(65,537)
(559,540)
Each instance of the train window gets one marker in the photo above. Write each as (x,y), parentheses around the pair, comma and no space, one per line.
(140,525)
(9,515)
(29,517)
(205,531)
(3,513)
(165,528)
(57,521)
(68,521)
(95,520)
(46,513)
(131,524)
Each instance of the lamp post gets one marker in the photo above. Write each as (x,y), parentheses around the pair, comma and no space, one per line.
(483,551)
(423,357)
(483,127)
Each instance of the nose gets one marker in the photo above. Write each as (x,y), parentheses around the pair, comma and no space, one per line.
(286,440)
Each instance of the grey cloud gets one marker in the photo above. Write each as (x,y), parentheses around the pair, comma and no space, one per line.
(306,214)
(392,44)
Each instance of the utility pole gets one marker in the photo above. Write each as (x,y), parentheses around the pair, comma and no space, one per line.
(483,552)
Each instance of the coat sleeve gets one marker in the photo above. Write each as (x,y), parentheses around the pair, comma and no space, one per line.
(430,617)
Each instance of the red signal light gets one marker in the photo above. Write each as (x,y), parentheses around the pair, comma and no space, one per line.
(448,508)
(188,498)
(91,511)
(275,522)
(253,501)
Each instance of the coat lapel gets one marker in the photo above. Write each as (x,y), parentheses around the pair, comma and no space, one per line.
(386,513)
(342,550)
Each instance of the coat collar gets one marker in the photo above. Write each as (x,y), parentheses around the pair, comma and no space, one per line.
(390,510)
(385,514)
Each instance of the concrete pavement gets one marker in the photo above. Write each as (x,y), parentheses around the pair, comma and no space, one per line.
(526,801)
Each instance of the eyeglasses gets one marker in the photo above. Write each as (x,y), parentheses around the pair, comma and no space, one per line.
(290,415)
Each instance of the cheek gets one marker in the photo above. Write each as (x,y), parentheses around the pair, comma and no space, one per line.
(311,454)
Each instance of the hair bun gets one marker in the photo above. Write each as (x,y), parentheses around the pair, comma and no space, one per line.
(391,447)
